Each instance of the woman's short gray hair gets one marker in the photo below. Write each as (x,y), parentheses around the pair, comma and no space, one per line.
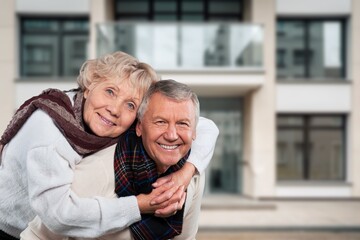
(117,65)
(173,90)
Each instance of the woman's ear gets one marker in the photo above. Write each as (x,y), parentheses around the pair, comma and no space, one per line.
(86,93)
(88,89)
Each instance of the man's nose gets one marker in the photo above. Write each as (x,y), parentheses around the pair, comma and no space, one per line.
(171,133)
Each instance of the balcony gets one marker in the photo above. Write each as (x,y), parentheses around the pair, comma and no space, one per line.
(226,55)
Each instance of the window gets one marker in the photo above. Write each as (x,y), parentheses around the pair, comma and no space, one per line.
(53,47)
(224,174)
(317,48)
(179,10)
(311,147)
(281,55)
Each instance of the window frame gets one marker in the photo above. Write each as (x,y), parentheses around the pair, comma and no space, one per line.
(59,34)
(306,130)
(306,40)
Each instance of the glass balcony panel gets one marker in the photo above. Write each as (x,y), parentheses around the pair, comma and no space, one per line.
(186,45)
(157,45)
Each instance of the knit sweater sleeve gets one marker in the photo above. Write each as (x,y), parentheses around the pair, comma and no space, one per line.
(50,171)
(203,147)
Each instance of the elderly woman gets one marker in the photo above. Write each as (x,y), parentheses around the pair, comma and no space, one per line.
(51,133)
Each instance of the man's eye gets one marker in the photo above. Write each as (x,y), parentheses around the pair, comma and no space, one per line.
(184,124)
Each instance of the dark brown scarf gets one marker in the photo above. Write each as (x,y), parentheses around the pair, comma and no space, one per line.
(66,117)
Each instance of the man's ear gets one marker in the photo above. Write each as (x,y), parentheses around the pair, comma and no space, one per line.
(194,135)
(138,128)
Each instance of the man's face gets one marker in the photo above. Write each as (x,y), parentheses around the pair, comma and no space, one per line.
(167,130)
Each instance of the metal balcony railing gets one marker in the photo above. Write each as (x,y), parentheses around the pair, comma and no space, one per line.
(188,46)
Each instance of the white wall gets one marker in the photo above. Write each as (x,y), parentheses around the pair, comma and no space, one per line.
(220,83)
(52,6)
(313,98)
(26,90)
(313,7)
(314,191)
(7,61)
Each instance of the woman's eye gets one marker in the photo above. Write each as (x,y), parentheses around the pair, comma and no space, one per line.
(131,106)
(109,91)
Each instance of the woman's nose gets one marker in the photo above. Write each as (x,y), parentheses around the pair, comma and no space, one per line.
(114,108)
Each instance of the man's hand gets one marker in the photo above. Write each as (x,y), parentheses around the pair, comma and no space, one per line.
(168,195)
(181,179)
(174,198)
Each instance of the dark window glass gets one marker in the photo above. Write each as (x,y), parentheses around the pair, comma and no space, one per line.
(281,54)
(179,10)
(53,47)
(326,46)
(316,47)
(224,172)
(131,6)
(290,154)
(40,25)
(326,156)
(311,147)
(165,6)
(224,7)
(290,37)
(192,6)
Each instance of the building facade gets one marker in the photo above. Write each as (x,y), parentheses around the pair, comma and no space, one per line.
(280,78)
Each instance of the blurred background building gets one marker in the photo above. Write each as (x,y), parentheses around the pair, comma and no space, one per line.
(281,78)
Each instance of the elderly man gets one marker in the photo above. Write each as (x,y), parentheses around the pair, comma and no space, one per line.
(157,145)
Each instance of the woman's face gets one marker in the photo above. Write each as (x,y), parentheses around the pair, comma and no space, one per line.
(110,107)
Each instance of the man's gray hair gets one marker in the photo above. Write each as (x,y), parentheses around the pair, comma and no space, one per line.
(173,90)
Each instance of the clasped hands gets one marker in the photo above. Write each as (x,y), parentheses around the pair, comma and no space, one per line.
(169,193)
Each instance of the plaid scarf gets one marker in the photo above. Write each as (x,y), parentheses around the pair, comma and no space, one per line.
(134,174)
(66,117)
